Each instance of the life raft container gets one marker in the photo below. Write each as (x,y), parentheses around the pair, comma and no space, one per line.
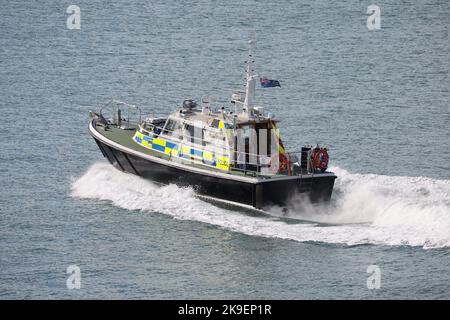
(319,159)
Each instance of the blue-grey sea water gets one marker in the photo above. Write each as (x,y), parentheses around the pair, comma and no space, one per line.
(379,99)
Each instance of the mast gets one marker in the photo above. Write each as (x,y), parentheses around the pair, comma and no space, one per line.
(251,81)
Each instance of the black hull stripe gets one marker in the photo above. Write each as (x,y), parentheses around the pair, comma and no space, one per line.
(131,164)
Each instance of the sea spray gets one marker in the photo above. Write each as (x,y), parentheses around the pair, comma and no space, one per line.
(366,208)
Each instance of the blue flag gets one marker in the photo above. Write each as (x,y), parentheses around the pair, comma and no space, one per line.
(267,83)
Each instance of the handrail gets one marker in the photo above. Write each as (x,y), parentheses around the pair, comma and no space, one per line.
(116,104)
(175,139)
(258,165)
(235,164)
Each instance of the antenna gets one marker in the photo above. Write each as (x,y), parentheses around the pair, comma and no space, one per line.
(250,61)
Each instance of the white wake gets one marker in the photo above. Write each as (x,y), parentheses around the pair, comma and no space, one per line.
(366,208)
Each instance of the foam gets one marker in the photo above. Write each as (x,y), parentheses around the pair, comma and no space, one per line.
(366,208)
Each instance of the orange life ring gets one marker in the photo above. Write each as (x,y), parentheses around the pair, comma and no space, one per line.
(320,159)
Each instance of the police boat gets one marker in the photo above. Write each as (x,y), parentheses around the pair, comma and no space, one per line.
(235,155)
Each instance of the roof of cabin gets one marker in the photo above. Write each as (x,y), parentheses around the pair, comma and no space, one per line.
(196,115)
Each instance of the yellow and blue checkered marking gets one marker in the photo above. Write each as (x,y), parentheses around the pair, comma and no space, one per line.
(202,156)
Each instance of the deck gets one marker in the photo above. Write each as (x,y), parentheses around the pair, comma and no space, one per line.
(125,137)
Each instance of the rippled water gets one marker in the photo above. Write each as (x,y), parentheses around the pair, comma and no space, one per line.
(378,99)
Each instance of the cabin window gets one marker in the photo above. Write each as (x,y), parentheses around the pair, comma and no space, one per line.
(215,123)
(196,135)
(171,127)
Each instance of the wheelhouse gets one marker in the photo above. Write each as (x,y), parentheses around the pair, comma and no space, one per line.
(219,139)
